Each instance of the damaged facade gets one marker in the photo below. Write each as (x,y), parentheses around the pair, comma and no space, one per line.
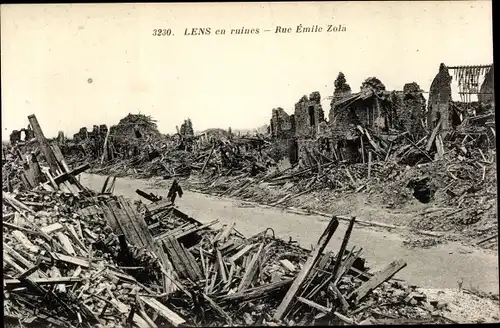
(309,116)
(374,113)
(282,130)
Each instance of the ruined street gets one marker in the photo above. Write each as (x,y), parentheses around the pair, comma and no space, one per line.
(441,267)
(290,171)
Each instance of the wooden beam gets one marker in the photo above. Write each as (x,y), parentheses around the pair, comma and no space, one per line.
(315,305)
(164,311)
(343,247)
(430,141)
(308,266)
(45,281)
(378,279)
(65,176)
(251,270)
(44,144)
(257,292)
(105,147)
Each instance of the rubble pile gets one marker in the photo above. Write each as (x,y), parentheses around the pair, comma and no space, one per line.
(135,136)
(73,257)
(67,264)
(224,157)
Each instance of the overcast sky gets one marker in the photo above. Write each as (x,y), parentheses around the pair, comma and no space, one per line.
(49,53)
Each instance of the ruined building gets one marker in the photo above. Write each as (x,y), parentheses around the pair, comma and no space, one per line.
(374,113)
(452,113)
(308,117)
(371,107)
(440,100)
(21,135)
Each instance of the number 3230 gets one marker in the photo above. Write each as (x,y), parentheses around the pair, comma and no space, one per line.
(162,32)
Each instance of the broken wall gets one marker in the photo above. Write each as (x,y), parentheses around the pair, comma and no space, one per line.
(411,114)
(487,88)
(281,124)
(440,100)
(344,119)
(308,115)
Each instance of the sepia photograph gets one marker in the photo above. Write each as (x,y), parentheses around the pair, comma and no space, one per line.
(249,164)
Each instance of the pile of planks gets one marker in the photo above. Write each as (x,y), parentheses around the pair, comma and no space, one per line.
(56,175)
(74,260)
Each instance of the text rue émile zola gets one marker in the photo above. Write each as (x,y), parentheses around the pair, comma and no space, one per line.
(328,28)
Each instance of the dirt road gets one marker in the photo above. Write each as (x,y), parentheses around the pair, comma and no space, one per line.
(443,266)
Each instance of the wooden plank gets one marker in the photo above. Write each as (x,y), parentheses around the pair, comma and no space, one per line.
(430,141)
(378,279)
(439,147)
(338,294)
(314,305)
(126,226)
(21,259)
(257,292)
(165,312)
(55,227)
(70,259)
(251,270)
(60,157)
(65,176)
(16,203)
(105,146)
(44,144)
(158,206)
(179,266)
(139,223)
(194,263)
(173,232)
(204,226)
(311,261)
(343,247)
(73,235)
(45,281)
(192,268)
(241,253)
(219,310)
(369,164)
(112,220)
(133,223)
(222,268)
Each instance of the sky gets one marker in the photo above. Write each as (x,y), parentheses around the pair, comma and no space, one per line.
(86,64)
